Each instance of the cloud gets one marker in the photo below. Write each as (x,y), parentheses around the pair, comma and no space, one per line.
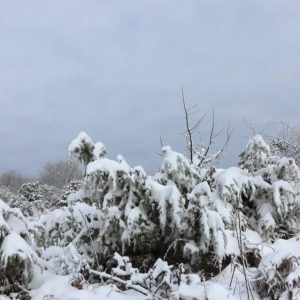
(115,69)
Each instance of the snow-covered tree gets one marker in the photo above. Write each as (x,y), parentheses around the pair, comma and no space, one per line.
(13,180)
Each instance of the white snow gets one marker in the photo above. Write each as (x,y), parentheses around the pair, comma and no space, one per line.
(99,150)
(12,245)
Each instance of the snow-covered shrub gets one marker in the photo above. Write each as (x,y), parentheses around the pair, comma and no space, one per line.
(17,257)
(275,202)
(176,167)
(64,260)
(234,186)
(144,215)
(160,281)
(70,188)
(279,269)
(30,191)
(71,224)
(163,281)
(120,193)
(205,228)
(256,156)
(25,206)
(6,195)
(35,198)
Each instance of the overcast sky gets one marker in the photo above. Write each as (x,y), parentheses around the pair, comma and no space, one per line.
(115,69)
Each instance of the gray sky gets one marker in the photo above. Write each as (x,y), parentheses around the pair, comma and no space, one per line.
(115,68)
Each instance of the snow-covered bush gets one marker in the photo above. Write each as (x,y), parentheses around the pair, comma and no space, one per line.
(64,260)
(205,228)
(279,271)
(257,154)
(70,188)
(144,215)
(35,198)
(161,281)
(275,202)
(176,167)
(7,195)
(79,224)
(17,257)
(128,203)
(17,260)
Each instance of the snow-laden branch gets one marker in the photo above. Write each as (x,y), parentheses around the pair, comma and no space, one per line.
(127,284)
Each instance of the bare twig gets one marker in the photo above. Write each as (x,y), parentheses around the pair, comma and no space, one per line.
(161,141)
(210,138)
(116,279)
(235,266)
(188,129)
(172,245)
(242,252)
(205,158)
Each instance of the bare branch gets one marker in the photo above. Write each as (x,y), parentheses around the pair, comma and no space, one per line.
(161,141)
(128,284)
(242,254)
(199,154)
(206,159)
(210,138)
(125,283)
(198,123)
(188,129)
